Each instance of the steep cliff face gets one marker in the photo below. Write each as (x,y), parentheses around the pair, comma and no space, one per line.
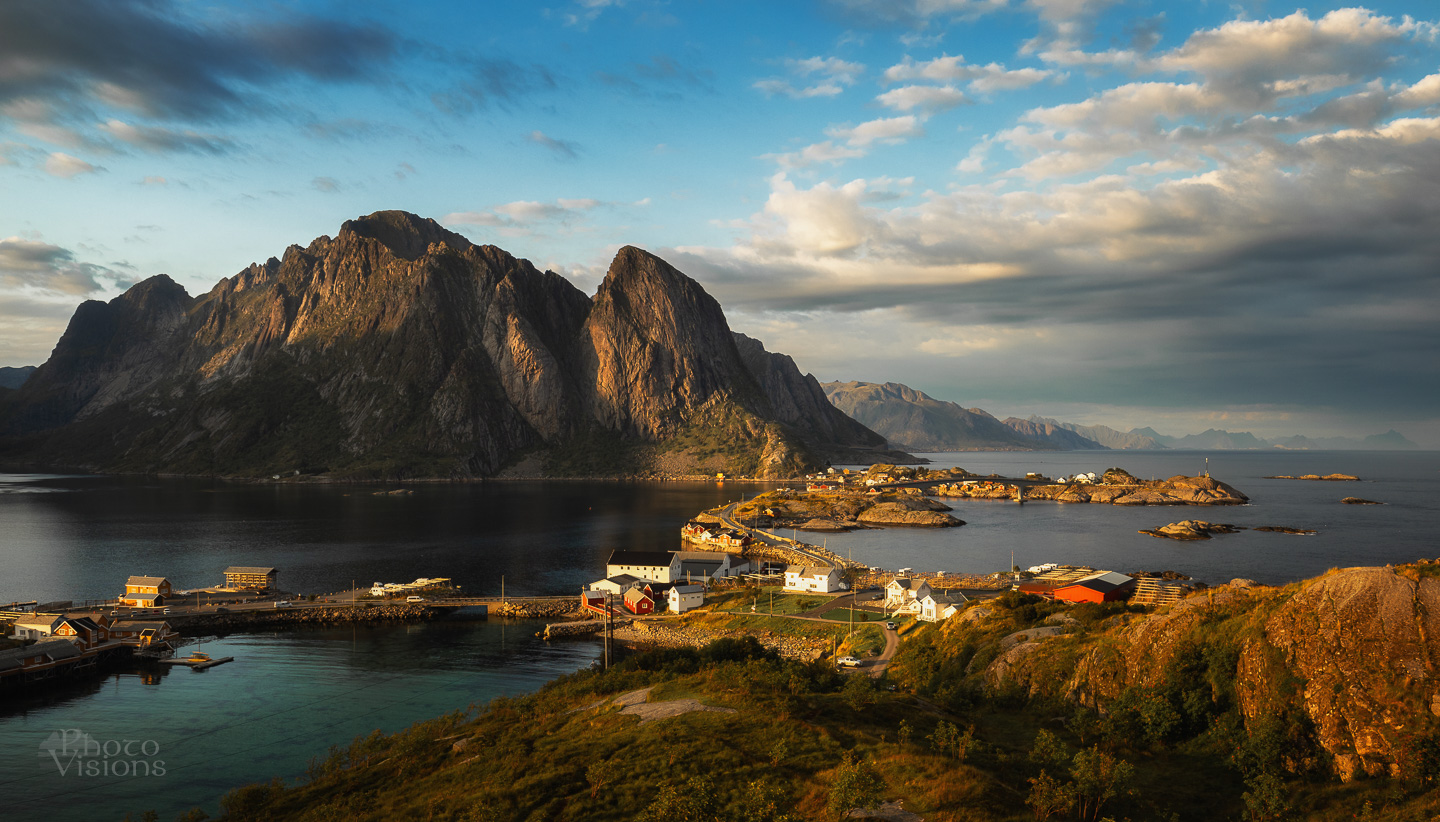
(400,348)
(1039,430)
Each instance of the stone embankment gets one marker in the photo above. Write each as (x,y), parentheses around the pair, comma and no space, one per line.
(668,634)
(248,620)
(536,609)
(567,630)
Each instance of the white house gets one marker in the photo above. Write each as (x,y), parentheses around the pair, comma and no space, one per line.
(684,598)
(820,579)
(935,607)
(902,593)
(618,584)
(37,627)
(655,566)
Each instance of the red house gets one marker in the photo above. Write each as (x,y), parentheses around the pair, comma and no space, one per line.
(637,602)
(1105,586)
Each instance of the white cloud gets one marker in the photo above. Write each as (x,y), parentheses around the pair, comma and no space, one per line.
(925,98)
(889,130)
(155,138)
(953,69)
(816,153)
(821,77)
(59,164)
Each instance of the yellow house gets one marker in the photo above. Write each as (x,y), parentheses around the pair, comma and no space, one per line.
(145,592)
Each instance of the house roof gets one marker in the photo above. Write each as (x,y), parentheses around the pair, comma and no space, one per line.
(635,595)
(83,623)
(908,584)
(143,597)
(708,566)
(809,570)
(248,569)
(48,623)
(146,581)
(653,559)
(53,648)
(1104,582)
(688,589)
(139,625)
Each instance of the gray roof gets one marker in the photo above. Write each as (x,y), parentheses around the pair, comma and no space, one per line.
(656,559)
(809,570)
(688,589)
(1104,582)
(146,581)
(248,569)
(138,625)
(53,648)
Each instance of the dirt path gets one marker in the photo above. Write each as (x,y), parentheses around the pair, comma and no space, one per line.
(892,644)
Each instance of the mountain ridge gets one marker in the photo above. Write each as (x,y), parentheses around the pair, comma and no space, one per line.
(399,348)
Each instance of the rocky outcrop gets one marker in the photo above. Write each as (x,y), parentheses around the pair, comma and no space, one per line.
(399,348)
(1118,489)
(1319,478)
(907,512)
(1285,529)
(1359,501)
(1191,529)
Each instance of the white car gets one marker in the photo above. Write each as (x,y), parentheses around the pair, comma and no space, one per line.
(847,662)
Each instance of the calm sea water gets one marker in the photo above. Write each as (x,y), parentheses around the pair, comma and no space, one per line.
(287,698)
(1106,536)
(291,695)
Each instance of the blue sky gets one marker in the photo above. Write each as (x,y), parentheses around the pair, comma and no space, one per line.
(1180,215)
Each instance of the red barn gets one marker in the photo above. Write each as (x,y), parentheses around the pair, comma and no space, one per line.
(636,602)
(1105,586)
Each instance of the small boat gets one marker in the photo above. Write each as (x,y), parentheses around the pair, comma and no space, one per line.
(197,657)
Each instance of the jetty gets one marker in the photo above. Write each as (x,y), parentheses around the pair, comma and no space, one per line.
(198,661)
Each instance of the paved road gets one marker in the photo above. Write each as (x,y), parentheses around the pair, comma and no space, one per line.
(726,519)
(877,668)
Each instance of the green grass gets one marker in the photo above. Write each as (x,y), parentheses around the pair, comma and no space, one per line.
(843,615)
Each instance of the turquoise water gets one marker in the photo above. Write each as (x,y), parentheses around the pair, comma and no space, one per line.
(287,698)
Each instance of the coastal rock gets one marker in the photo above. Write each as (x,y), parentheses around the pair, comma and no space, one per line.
(1284,529)
(1359,501)
(1191,529)
(1319,478)
(906,513)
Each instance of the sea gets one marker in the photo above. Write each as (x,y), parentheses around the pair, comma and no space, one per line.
(290,695)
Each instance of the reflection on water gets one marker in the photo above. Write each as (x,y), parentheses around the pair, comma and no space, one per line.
(287,697)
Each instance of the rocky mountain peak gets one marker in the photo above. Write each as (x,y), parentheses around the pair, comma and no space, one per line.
(406,235)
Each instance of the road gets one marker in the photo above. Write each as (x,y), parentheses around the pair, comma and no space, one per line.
(880,664)
(726,518)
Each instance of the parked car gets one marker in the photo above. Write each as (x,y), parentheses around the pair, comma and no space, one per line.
(414,599)
(284,603)
(890,625)
(165,611)
(847,662)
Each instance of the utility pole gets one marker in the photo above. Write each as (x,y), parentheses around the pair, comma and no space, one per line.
(607,630)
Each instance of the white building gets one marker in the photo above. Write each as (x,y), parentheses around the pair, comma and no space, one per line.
(37,627)
(819,579)
(902,594)
(682,598)
(618,584)
(698,566)
(935,607)
(655,566)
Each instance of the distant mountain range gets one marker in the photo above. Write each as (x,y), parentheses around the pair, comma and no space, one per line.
(914,421)
(400,349)
(15,377)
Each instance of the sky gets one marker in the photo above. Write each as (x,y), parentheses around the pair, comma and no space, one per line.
(1182,215)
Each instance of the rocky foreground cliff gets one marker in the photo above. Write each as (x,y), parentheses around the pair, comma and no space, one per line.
(400,349)
(1339,675)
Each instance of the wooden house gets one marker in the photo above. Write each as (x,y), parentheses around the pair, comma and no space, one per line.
(250,577)
(638,602)
(145,592)
(40,626)
(83,631)
(937,606)
(819,579)
(903,593)
(682,598)
(1105,586)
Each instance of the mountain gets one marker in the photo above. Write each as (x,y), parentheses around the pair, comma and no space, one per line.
(1151,433)
(401,349)
(1106,436)
(1215,439)
(1045,431)
(911,420)
(15,377)
(1391,440)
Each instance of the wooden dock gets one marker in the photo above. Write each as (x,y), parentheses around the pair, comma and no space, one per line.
(198,665)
